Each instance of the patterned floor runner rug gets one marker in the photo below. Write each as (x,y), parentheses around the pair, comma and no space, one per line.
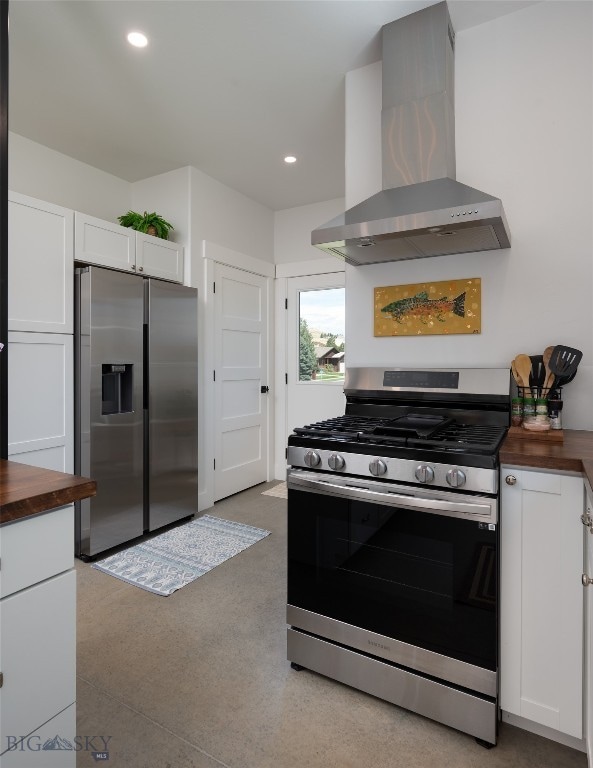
(179,556)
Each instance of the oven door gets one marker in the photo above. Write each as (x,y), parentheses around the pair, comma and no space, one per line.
(406,574)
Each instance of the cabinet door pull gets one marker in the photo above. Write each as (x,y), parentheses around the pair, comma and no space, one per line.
(510,479)
(587,580)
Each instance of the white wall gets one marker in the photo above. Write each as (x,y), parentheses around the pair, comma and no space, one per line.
(363,133)
(40,172)
(169,195)
(221,215)
(523,90)
(293,227)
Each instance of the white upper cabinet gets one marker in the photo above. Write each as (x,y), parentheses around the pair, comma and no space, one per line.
(41,410)
(109,245)
(40,253)
(103,243)
(156,257)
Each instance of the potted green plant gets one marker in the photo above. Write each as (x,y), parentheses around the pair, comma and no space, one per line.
(149,223)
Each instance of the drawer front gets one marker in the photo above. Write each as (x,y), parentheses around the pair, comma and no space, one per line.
(35,750)
(37,655)
(36,548)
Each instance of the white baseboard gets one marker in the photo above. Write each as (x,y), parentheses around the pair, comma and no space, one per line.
(205,501)
(545,731)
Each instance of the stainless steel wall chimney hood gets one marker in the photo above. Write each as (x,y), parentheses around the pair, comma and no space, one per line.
(422,211)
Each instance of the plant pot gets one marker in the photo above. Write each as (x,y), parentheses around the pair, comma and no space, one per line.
(151,230)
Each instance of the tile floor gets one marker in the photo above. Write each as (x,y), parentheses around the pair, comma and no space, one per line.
(200,679)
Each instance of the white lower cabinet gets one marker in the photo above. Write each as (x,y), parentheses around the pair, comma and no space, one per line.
(41,409)
(542,599)
(39,750)
(588,586)
(37,640)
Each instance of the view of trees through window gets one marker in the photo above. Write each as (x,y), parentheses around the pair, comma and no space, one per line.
(321,328)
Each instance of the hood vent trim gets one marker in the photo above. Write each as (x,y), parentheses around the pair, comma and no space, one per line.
(422,211)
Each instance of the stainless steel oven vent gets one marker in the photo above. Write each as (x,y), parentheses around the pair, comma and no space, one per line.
(422,210)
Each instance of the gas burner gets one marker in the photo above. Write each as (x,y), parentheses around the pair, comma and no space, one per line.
(390,429)
(414,430)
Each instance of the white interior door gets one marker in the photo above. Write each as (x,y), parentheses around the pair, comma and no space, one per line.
(241,370)
(319,299)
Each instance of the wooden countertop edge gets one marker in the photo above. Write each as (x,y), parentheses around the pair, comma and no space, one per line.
(588,471)
(518,459)
(574,455)
(26,491)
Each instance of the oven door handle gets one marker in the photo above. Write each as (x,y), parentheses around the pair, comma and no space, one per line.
(485,510)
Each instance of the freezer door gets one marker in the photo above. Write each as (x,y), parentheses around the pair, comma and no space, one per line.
(172,417)
(109,407)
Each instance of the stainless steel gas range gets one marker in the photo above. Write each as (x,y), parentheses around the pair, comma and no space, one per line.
(393,542)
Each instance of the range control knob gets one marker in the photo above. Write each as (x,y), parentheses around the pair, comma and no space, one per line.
(336,461)
(312,458)
(424,473)
(456,477)
(377,467)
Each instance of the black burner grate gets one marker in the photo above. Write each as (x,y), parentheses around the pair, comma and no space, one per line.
(471,438)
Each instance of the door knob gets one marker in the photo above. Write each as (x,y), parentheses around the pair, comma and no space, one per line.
(510,479)
(587,580)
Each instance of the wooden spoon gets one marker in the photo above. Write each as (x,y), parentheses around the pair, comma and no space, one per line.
(523,366)
(516,376)
(549,379)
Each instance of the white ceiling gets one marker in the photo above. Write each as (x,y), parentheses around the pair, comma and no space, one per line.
(228,86)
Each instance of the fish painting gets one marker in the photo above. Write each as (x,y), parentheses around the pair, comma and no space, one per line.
(421,307)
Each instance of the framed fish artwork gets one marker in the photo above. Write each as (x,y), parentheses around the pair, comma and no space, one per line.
(428,309)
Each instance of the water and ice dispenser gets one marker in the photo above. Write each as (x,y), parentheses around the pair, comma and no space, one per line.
(117,386)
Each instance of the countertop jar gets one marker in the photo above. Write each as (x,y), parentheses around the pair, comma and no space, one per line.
(529,408)
(555,413)
(516,411)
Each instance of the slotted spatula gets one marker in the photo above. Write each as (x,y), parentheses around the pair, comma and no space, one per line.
(564,362)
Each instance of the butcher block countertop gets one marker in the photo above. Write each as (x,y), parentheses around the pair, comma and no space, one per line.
(575,454)
(26,491)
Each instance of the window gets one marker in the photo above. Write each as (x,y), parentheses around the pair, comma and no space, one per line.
(321,335)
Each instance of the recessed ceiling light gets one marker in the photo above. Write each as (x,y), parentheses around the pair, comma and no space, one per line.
(290,159)
(137,39)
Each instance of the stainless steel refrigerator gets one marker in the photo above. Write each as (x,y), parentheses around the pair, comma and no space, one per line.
(136,405)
